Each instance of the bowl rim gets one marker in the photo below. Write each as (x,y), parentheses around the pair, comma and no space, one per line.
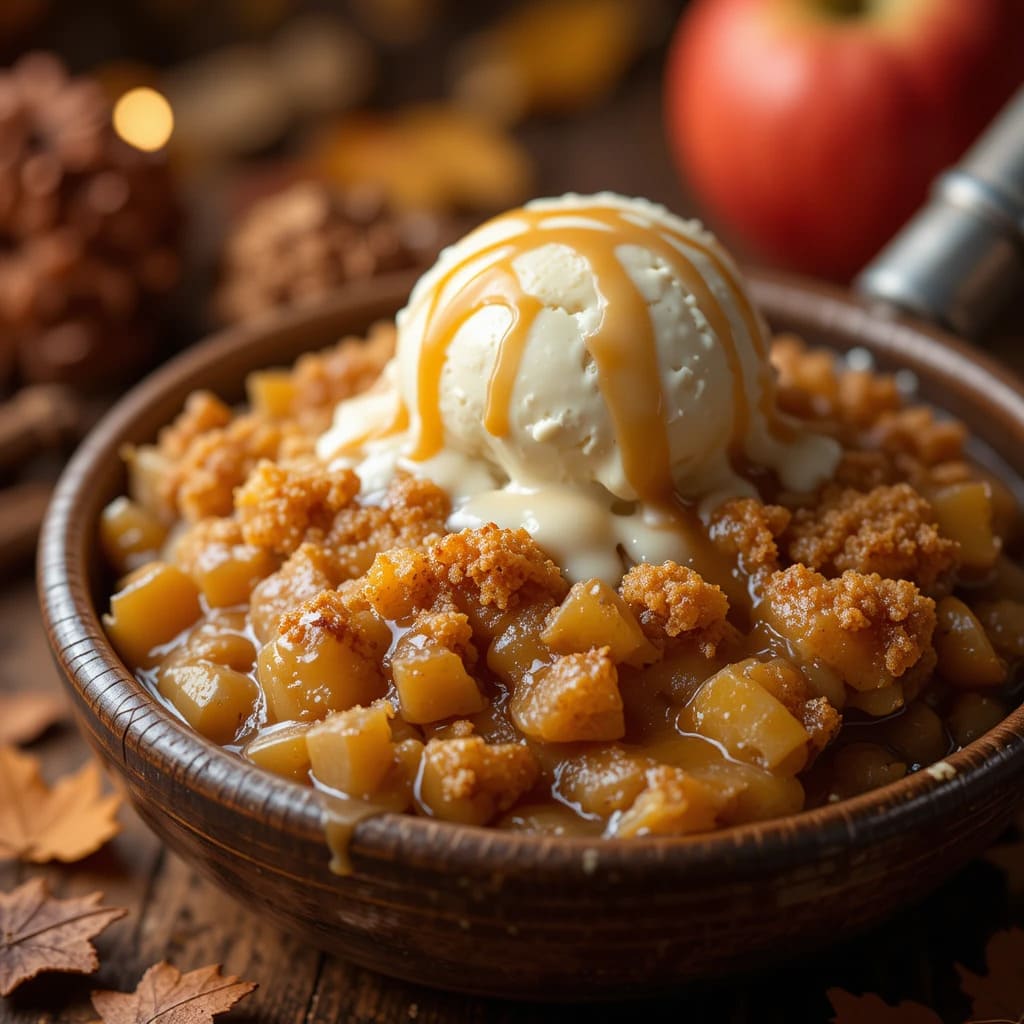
(110,692)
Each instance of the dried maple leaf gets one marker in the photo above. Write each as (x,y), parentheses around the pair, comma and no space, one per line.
(872,1009)
(167,995)
(25,716)
(998,995)
(38,823)
(39,932)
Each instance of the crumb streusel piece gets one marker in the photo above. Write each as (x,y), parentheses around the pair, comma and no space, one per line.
(889,530)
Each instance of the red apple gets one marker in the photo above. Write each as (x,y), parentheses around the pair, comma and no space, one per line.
(811,129)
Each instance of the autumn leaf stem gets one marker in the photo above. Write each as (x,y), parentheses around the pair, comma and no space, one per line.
(25,936)
(200,995)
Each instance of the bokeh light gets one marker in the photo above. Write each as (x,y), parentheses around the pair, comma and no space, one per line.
(144,119)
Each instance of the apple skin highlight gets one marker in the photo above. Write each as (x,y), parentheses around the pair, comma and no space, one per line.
(812,136)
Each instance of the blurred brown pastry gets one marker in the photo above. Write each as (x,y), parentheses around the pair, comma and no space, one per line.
(88,231)
(312,237)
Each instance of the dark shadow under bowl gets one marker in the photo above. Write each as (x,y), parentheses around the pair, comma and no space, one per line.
(509,914)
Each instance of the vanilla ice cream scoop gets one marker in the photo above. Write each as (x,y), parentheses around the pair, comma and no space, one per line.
(582,346)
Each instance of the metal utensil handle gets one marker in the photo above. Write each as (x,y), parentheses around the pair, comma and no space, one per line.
(959,259)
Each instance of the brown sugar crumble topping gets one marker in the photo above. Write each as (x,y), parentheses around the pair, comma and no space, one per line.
(861,631)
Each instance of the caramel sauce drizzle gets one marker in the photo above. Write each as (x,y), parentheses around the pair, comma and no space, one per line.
(524,310)
(623,347)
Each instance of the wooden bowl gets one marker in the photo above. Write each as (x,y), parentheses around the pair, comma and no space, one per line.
(493,912)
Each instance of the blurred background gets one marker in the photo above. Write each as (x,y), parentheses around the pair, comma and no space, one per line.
(168,167)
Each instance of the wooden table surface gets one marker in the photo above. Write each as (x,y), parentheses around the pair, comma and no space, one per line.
(177,916)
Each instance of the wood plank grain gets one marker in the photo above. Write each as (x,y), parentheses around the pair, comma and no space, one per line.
(189,922)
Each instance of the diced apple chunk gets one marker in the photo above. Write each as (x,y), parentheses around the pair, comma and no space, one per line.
(757,794)
(575,699)
(966,656)
(672,803)
(215,700)
(433,684)
(603,780)
(155,605)
(129,534)
(305,574)
(219,638)
(282,750)
(227,574)
(1004,625)
(270,393)
(749,722)
(860,767)
(593,615)
(147,472)
(789,686)
(518,649)
(918,735)
(470,781)
(352,751)
(964,513)
(878,703)
(406,768)
(306,681)
(972,715)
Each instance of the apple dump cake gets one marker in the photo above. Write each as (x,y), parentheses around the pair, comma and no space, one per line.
(574,547)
